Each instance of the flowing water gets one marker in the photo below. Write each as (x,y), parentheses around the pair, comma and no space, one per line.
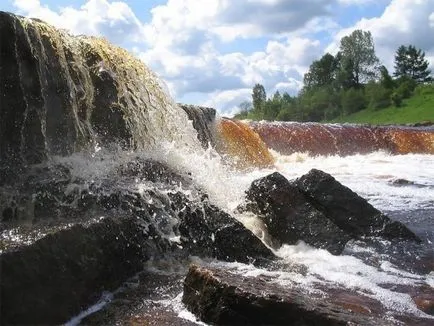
(401,185)
(392,167)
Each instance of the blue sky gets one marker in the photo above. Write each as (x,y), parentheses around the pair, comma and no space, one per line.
(212,52)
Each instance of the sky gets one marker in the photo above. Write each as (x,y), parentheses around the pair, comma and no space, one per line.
(212,52)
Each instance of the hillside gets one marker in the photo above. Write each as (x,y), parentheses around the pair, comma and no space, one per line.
(418,108)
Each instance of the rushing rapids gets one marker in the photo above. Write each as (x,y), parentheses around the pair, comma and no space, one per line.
(329,139)
(107,196)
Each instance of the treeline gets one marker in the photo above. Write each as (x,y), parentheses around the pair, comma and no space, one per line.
(352,80)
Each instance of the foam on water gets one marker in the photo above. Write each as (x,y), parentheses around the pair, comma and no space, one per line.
(370,175)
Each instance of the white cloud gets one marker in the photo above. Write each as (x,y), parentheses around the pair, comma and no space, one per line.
(227,102)
(182,39)
(114,20)
(402,22)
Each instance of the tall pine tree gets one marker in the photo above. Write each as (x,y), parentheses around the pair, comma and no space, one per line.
(410,62)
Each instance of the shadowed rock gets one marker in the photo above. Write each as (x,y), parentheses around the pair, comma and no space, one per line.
(350,212)
(61,253)
(318,210)
(203,119)
(222,298)
(290,217)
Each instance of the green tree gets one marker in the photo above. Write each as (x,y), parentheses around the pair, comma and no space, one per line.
(377,95)
(321,72)
(353,100)
(359,58)
(259,98)
(411,62)
(273,106)
(385,79)
(245,107)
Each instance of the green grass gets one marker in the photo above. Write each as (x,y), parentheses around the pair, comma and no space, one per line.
(418,108)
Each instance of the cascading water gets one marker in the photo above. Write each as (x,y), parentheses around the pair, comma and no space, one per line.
(112,115)
(329,139)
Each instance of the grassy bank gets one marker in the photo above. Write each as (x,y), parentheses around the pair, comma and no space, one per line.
(418,108)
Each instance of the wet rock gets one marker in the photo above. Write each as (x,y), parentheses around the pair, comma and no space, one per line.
(54,278)
(350,212)
(142,300)
(62,94)
(203,119)
(207,231)
(223,298)
(425,303)
(290,217)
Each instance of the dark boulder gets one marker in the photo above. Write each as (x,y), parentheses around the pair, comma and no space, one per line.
(220,297)
(319,211)
(203,119)
(207,231)
(290,217)
(62,254)
(350,212)
(59,275)
(61,94)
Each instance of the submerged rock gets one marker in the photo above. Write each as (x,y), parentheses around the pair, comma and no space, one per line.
(220,297)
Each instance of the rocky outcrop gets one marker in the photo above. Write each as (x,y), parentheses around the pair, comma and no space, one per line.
(220,297)
(61,94)
(208,231)
(290,217)
(65,271)
(72,238)
(318,210)
(203,119)
(350,212)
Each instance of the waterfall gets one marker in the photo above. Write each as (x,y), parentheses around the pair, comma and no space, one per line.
(330,139)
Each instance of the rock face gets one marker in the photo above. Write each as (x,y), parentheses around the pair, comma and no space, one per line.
(290,217)
(77,238)
(350,212)
(203,119)
(62,273)
(61,94)
(223,298)
(318,210)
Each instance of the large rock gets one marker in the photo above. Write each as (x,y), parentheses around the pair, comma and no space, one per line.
(350,212)
(59,275)
(203,119)
(60,94)
(220,297)
(318,210)
(65,239)
(290,217)
(208,231)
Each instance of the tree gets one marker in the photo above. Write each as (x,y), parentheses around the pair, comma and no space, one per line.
(259,97)
(411,62)
(352,100)
(359,58)
(245,106)
(321,72)
(385,79)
